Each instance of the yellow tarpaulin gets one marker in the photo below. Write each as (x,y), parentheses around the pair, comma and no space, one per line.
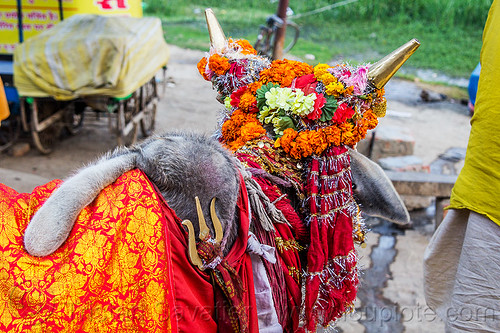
(89,55)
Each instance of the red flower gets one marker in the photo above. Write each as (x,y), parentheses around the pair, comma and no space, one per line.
(318,104)
(236,96)
(306,83)
(342,113)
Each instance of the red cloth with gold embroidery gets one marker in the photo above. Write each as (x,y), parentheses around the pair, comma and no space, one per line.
(124,267)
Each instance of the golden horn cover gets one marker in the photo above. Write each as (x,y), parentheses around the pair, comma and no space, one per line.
(382,71)
(217,37)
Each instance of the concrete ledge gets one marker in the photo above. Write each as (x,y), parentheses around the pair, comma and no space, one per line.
(421,183)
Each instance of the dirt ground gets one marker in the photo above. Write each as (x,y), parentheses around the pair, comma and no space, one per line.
(189,104)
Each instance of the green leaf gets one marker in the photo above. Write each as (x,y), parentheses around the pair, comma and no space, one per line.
(329,108)
(261,94)
(286,122)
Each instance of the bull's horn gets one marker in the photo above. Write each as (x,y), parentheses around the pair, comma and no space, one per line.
(217,37)
(382,71)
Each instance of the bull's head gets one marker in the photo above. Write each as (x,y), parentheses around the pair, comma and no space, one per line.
(347,103)
(300,123)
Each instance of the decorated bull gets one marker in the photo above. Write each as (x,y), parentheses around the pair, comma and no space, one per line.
(276,199)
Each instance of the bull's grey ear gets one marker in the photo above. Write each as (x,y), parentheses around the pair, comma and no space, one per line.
(374,191)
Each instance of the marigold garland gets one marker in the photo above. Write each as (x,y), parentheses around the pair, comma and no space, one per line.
(240,128)
(306,143)
(284,71)
(305,109)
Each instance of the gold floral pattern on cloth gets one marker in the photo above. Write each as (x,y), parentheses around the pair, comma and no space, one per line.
(112,274)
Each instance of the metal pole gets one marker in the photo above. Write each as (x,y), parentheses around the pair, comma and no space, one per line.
(279,39)
(20,20)
(60,11)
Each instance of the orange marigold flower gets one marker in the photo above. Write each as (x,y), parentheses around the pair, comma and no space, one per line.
(303,144)
(354,138)
(346,133)
(246,101)
(284,141)
(284,71)
(317,141)
(228,130)
(253,87)
(218,64)
(360,132)
(240,128)
(349,90)
(380,92)
(202,65)
(370,119)
(247,48)
(333,135)
(251,130)
(294,150)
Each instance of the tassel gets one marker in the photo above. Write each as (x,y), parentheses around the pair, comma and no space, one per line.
(262,207)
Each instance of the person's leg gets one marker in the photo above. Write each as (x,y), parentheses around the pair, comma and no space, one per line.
(475,302)
(441,260)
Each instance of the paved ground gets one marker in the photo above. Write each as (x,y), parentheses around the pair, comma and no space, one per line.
(391,295)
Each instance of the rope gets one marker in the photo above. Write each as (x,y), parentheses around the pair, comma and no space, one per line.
(323,9)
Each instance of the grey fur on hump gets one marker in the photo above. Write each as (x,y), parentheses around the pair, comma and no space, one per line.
(181,165)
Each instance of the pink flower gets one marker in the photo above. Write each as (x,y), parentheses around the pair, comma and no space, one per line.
(342,73)
(359,80)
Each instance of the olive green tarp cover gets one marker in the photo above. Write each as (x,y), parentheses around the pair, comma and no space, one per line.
(88,55)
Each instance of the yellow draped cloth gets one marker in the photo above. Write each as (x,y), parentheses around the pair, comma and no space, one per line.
(478,185)
(113,274)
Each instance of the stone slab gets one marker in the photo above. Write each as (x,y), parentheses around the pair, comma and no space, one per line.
(423,184)
(392,141)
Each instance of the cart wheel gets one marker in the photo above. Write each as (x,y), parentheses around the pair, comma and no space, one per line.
(163,83)
(148,120)
(73,117)
(9,131)
(45,124)
(126,129)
